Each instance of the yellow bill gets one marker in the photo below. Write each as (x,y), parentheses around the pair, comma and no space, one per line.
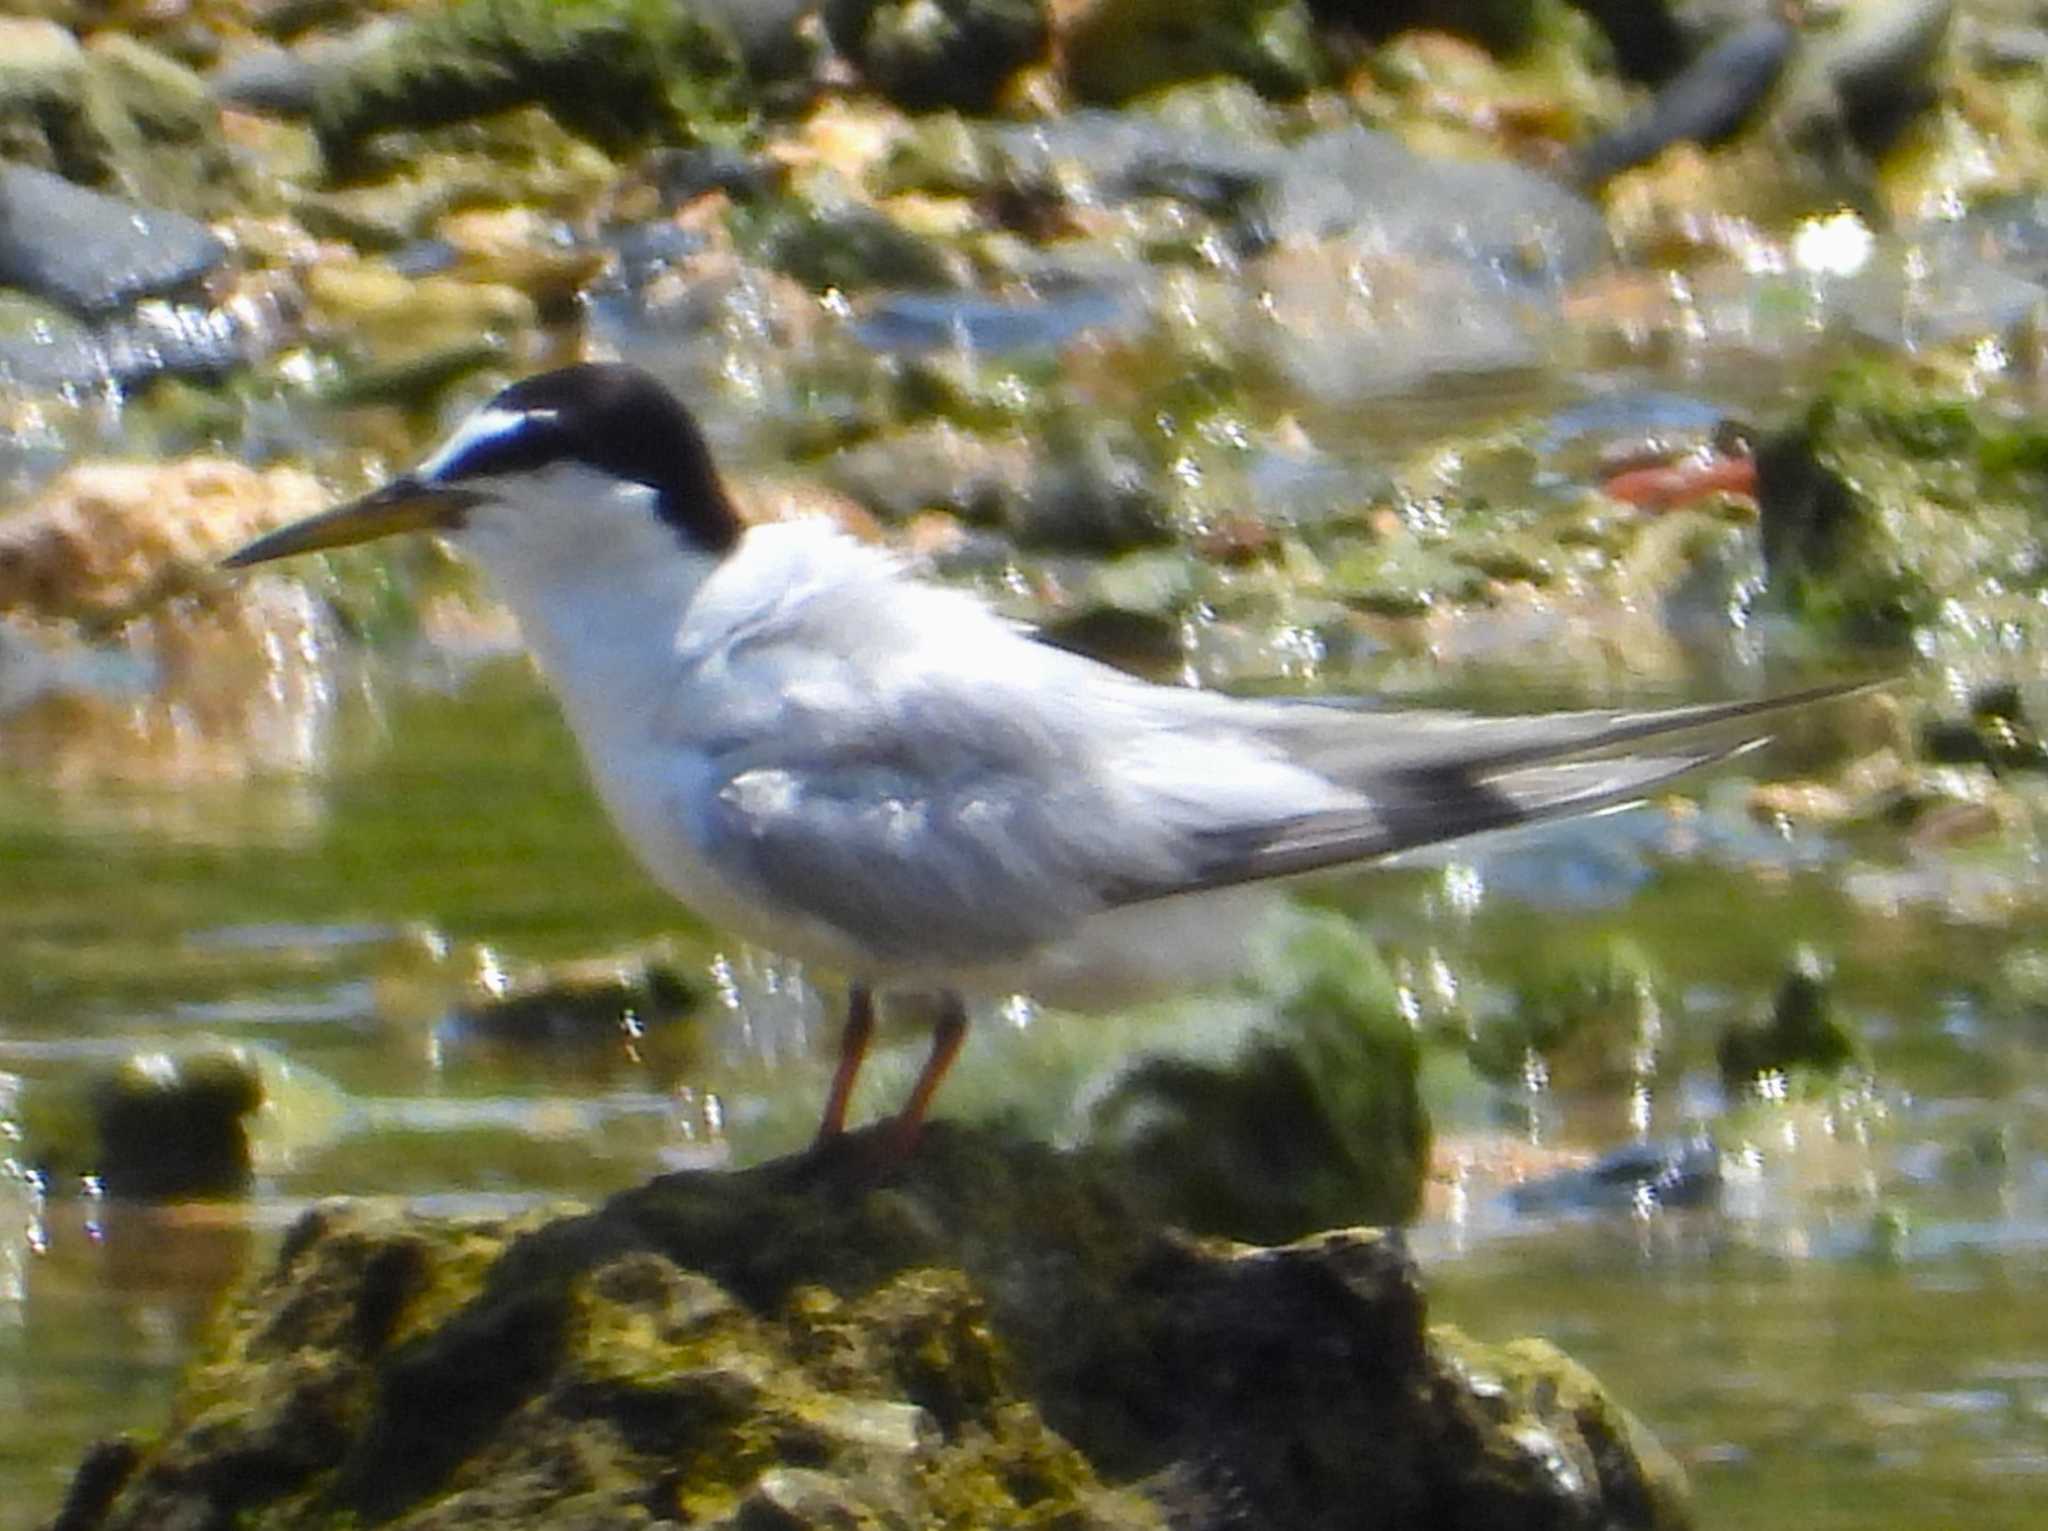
(406,504)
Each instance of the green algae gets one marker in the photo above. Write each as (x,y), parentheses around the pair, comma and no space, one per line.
(1594,1019)
(994,1335)
(156,1125)
(1550,1416)
(1122,49)
(1897,503)
(623,73)
(850,247)
(926,54)
(1803,1032)
(118,115)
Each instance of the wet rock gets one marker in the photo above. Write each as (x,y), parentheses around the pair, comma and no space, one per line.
(106,1466)
(770,34)
(116,114)
(1517,228)
(1102,155)
(2014,49)
(415,377)
(1891,495)
(1880,64)
(1649,41)
(1996,733)
(105,541)
(1592,1021)
(1316,1120)
(384,215)
(1893,301)
(165,100)
(929,54)
(286,82)
(386,320)
(156,1126)
(90,252)
(1147,642)
(936,466)
(921,321)
(851,247)
(1339,324)
(1801,1034)
(1634,1179)
(43,118)
(193,693)
(1504,26)
(995,1336)
(276,82)
(1709,102)
(45,350)
(683,175)
(597,1002)
(176,1126)
(1856,87)
(1119,49)
(520,248)
(1096,494)
(620,73)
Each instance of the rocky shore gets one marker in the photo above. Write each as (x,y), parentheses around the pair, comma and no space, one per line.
(996,1336)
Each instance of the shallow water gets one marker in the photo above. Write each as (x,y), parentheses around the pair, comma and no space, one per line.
(1853,1333)
(1855,1336)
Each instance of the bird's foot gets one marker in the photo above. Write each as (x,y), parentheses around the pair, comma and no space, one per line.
(870,1153)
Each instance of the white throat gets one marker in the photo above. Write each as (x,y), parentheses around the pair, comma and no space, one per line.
(599,582)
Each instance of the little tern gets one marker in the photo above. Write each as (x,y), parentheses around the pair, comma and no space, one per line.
(825,755)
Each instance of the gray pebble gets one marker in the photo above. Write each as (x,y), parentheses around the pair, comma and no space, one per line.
(90,252)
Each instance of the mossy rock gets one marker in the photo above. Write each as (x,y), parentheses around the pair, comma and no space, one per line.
(1593,1020)
(992,1334)
(1504,26)
(1896,498)
(1317,1120)
(115,115)
(1803,1033)
(850,247)
(157,1125)
(583,1004)
(931,54)
(1121,49)
(623,73)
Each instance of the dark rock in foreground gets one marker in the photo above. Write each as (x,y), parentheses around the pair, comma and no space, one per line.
(991,1337)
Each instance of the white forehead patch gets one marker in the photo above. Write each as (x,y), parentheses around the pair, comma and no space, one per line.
(488,424)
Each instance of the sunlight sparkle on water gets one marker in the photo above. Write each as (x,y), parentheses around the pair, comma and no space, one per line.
(1839,244)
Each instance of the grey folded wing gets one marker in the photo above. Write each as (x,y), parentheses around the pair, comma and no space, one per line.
(965,822)
(958,819)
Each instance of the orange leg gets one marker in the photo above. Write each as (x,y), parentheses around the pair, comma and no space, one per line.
(853,1047)
(947,1037)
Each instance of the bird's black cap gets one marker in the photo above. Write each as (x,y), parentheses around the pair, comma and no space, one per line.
(618,420)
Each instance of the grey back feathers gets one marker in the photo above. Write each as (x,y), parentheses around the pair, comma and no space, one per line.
(609,417)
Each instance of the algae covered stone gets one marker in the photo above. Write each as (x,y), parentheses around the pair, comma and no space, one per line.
(157,1125)
(925,54)
(1803,1031)
(623,73)
(993,1336)
(1896,502)
(1125,48)
(1317,1119)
